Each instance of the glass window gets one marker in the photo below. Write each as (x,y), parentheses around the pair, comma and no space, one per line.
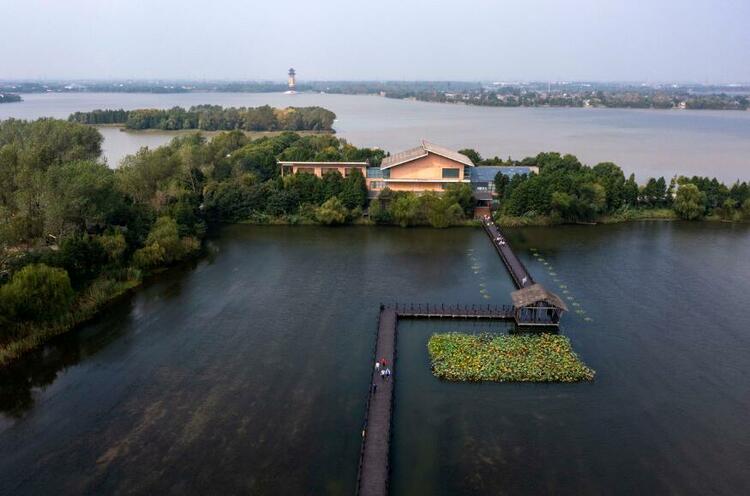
(450,173)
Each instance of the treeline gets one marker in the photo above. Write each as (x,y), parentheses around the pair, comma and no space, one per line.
(9,97)
(520,97)
(74,233)
(568,191)
(215,118)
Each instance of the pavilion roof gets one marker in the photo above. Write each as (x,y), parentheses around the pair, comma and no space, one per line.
(536,293)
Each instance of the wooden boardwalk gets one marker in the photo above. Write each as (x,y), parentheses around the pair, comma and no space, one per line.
(374,459)
(516,268)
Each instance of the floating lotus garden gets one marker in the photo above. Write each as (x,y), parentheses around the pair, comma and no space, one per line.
(505,358)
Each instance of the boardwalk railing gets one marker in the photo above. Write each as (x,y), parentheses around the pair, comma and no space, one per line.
(457,311)
(367,403)
(521,277)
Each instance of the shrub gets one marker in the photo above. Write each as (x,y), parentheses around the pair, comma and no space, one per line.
(38,292)
(82,257)
(689,202)
(331,212)
(746,209)
(164,245)
(114,245)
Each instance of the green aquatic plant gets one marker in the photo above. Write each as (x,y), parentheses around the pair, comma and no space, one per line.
(503,358)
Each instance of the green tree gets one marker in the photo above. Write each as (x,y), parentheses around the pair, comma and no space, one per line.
(82,257)
(38,292)
(473,155)
(405,209)
(462,195)
(79,195)
(354,190)
(501,182)
(689,202)
(164,245)
(331,212)
(441,210)
(630,191)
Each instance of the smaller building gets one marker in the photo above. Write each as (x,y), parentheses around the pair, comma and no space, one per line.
(320,168)
(535,306)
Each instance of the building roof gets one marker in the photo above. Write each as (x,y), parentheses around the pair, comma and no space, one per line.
(534,294)
(487,173)
(422,150)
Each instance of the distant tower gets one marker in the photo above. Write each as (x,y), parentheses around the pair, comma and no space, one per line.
(292,80)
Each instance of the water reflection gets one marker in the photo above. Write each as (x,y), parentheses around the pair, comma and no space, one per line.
(40,367)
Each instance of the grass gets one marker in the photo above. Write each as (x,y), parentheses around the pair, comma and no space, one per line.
(505,358)
(87,304)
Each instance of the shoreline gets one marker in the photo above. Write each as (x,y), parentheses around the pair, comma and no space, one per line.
(183,132)
(15,350)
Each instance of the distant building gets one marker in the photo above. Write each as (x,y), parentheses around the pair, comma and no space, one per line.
(292,81)
(427,167)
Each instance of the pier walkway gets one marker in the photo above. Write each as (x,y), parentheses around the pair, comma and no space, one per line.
(374,459)
(516,268)
(533,306)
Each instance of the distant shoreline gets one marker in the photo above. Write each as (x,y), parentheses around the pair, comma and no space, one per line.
(183,132)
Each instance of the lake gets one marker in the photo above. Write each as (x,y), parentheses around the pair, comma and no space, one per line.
(248,371)
(646,142)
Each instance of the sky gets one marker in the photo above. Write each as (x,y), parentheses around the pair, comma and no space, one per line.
(702,41)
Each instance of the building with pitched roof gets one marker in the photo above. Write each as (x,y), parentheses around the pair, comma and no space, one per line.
(427,167)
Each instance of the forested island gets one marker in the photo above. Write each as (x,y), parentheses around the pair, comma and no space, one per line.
(9,98)
(214,118)
(75,234)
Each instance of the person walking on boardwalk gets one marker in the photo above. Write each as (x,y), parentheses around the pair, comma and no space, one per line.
(383,362)
(382,374)
(374,388)
(377,365)
(387,373)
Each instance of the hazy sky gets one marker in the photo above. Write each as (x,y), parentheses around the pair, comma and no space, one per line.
(645,40)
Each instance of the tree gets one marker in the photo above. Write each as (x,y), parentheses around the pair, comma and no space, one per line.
(331,212)
(473,155)
(354,190)
(164,245)
(333,183)
(82,257)
(689,203)
(611,177)
(441,210)
(746,209)
(79,195)
(38,292)
(501,182)
(630,191)
(405,209)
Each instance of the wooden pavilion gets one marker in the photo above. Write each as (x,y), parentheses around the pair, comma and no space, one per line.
(535,306)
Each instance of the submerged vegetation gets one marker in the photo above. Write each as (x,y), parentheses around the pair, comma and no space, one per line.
(505,358)
(214,118)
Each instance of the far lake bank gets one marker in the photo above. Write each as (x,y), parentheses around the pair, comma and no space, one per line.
(646,142)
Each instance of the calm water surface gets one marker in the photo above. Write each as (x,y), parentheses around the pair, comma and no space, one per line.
(647,142)
(247,372)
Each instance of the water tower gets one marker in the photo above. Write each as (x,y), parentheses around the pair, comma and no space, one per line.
(292,81)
